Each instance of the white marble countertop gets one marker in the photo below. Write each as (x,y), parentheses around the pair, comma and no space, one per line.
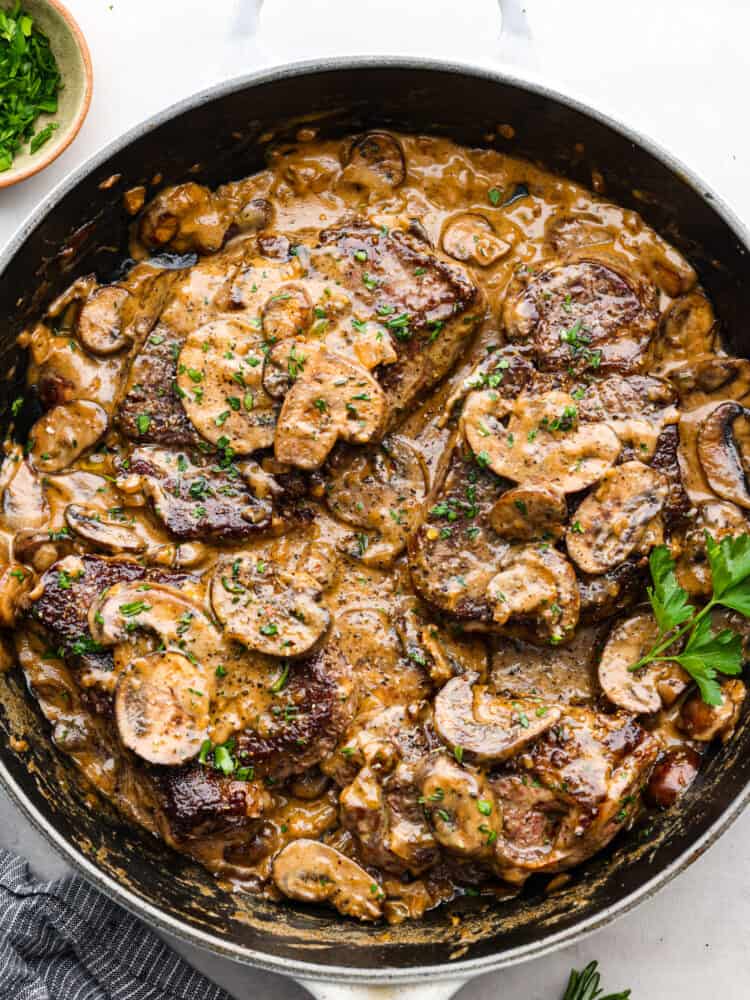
(671,68)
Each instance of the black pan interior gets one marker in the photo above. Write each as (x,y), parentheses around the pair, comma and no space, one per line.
(225,138)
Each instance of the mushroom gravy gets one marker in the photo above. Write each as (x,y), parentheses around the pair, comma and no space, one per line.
(326,559)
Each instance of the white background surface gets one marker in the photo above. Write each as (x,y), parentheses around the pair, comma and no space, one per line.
(676,69)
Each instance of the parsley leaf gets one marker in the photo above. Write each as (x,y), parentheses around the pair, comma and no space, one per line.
(667,597)
(30,84)
(730,571)
(706,653)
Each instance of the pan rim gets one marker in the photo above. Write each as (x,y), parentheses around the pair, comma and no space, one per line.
(152,914)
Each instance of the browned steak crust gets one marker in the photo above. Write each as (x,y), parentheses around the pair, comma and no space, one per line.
(197,800)
(313,711)
(422,299)
(150,410)
(454,553)
(201,500)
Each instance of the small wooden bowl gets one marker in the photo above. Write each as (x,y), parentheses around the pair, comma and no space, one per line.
(74,62)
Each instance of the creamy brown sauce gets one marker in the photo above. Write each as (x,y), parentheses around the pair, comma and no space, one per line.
(450,258)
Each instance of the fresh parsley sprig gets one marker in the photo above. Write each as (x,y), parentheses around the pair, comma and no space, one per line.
(706,653)
(584,985)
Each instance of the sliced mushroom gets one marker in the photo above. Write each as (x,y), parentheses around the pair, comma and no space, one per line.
(703,722)
(127,608)
(375,161)
(529,513)
(163,700)
(461,808)
(687,330)
(543,441)
(220,382)
(104,531)
(285,362)
(536,584)
(620,517)
(646,690)
(266,608)
(567,231)
(65,432)
(16,582)
(287,313)
(161,708)
(720,519)
(100,321)
(40,549)
(380,489)
(637,408)
(673,774)
(24,503)
(186,217)
(470,237)
(667,268)
(316,873)
(256,214)
(485,727)
(332,398)
(720,453)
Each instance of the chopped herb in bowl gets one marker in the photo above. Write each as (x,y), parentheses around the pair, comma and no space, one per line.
(29,84)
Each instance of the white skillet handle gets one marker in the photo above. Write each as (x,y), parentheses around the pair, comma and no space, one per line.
(424,991)
(516,40)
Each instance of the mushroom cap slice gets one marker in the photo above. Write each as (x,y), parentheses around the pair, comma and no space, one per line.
(620,517)
(102,530)
(267,609)
(179,624)
(470,237)
(380,489)
(316,873)
(24,504)
(543,441)
(331,398)
(285,361)
(636,407)
(688,329)
(100,327)
(704,723)
(161,708)
(720,519)
(186,217)
(65,432)
(486,727)
(720,452)
(375,161)
(537,584)
(645,690)
(461,807)
(219,376)
(529,513)
(16,583)
(286,313)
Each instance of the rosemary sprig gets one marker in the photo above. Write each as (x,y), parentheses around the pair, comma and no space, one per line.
(584,985)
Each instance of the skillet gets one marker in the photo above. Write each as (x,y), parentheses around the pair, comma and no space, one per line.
(81,227)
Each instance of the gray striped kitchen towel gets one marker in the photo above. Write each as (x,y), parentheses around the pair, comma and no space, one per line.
(63,940)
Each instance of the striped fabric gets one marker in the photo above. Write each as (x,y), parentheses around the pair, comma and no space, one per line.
(64,941)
